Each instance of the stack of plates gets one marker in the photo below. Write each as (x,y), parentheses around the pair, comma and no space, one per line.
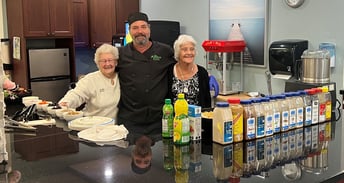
(104,133)
(88,122)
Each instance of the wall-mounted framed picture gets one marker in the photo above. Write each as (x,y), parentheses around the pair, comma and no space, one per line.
(240,19)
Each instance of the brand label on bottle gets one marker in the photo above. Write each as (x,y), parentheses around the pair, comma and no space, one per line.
(315,111)
(181,133)
(285,120)
(228,132)
(292,121)
(238,127)
(277,122)
(308,116)
(251,128)
(299,117)
(269,125)
(322,112)
(260,126)
(328,112)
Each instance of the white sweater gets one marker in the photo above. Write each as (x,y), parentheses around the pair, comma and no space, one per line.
(100,96)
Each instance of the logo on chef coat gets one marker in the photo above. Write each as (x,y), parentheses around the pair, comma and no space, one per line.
(155,57)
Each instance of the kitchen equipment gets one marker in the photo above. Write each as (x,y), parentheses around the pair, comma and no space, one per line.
(49,73)
(222,48)
(315,66)
(283,56)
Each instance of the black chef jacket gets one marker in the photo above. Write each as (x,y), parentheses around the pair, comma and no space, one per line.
(144,86)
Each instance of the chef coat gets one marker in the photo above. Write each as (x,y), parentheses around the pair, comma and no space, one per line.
(143,80)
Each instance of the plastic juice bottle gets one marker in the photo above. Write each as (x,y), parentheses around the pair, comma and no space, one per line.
(167,119)
(328,101)
(181,128)
(222,123)
(260,117)
(249,120)
(237,113)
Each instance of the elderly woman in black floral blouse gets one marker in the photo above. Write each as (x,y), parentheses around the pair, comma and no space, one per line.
(186,76)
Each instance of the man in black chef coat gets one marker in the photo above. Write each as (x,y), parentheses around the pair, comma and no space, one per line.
(142,69)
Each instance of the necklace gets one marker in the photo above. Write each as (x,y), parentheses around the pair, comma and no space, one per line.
(185,84)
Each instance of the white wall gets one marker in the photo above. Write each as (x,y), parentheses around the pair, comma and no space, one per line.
(316,21)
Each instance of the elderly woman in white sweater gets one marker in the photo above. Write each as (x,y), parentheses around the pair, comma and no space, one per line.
(99,90)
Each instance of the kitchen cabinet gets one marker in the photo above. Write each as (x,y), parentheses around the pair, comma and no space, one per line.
(39,24)
(48,18)
(80,16)
(107,17)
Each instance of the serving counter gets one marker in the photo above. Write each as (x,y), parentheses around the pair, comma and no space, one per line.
(56,154)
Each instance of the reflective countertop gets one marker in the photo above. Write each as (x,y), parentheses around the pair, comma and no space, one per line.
(56,154)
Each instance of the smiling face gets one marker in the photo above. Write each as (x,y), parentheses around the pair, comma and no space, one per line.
(187,52)
(140,32)
(107,64)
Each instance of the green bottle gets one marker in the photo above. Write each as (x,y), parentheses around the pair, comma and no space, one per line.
(167,119)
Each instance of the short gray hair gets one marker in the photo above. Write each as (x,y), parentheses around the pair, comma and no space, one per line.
(182,39)
(105,48)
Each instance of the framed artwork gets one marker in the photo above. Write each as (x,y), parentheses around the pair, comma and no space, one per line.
(240,20)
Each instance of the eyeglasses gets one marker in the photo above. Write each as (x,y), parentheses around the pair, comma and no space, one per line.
(103,61)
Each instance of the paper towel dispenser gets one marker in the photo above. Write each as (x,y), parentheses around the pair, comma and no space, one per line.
(284,54)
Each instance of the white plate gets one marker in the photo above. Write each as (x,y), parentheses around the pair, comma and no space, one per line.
(104,133)
(88,122)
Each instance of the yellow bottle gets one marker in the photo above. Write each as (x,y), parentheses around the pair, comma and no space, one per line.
(181,127)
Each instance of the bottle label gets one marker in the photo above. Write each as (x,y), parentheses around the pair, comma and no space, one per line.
(308,115)
(238,127)
(292,121)
(315,111)
(308,136)
(285,120)
(268,125)
(181,133)
(277,122)
(328,110)
(260,126)
(322,110)
(228,132)
(251,128)
(299,117)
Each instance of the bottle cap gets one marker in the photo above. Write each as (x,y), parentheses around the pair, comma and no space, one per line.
(245,101)
(167,101)
(181,95)
(234,101)
(222,104)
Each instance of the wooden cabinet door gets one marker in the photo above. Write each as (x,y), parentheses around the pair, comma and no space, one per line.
(102,16)
(80,16)
(47,18)
(36,18)
(61,18)
(123,9)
